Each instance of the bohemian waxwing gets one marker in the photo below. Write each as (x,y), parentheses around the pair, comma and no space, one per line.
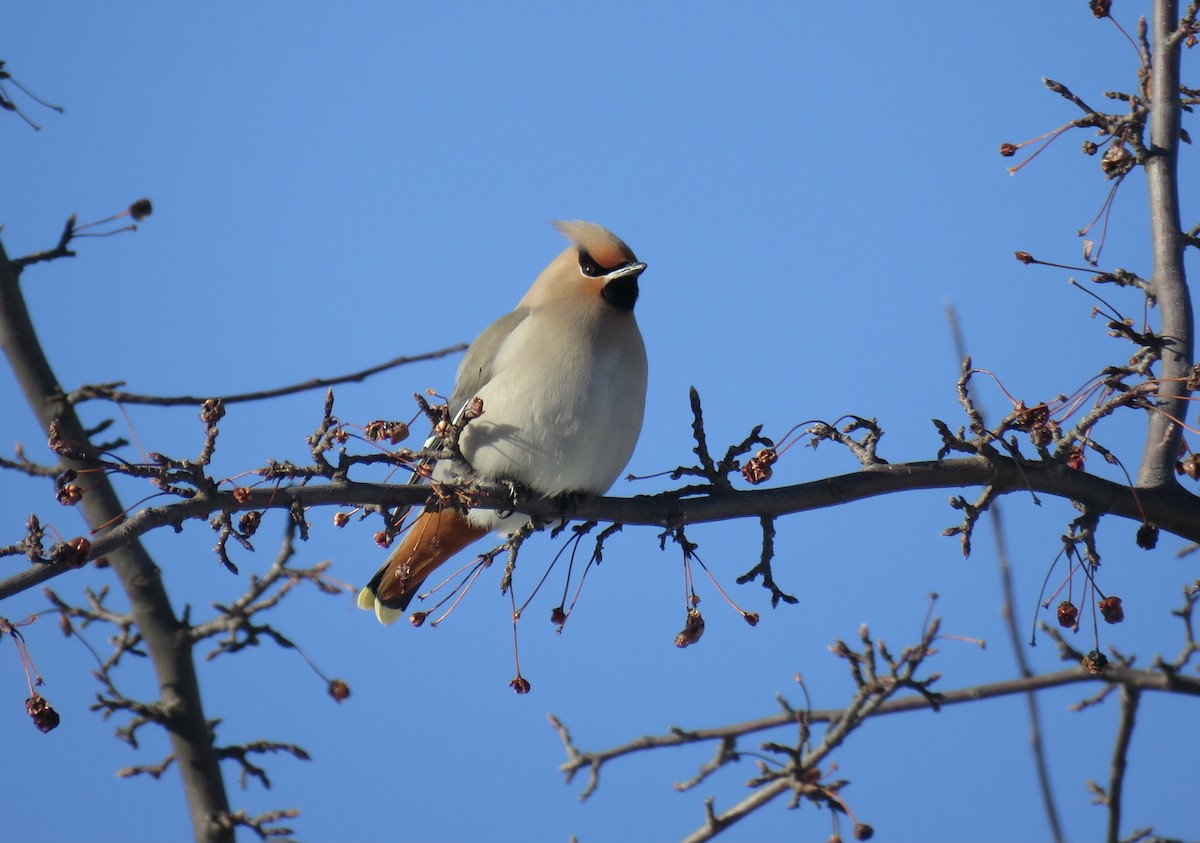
(563,384)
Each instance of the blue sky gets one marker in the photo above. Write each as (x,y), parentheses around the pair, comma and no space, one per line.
(810,185)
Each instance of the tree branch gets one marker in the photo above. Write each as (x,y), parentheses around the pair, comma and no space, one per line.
(164,635)
(109,391)
(1172,508)
(1169,282)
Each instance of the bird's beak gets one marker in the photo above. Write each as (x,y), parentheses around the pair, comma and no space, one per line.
(631,271)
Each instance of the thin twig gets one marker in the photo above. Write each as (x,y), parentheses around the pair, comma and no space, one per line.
(109,392)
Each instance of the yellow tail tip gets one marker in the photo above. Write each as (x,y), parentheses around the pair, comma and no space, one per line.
(366,599)
(386,616)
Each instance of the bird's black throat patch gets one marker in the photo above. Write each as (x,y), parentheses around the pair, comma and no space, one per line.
(621,293)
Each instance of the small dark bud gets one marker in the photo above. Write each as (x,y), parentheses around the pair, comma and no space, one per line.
(1095,662)
(751,618)
(341,519)
(1090,148)
(241,494)
(1100,8)
(339,690)
(1023,257)
(141,209)
(1008,150)
(417,619)
(1147,536)
(520,684)
(558,617)
(862,831)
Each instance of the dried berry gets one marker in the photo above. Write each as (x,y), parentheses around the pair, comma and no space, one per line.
(212,411)
(1111,611)
(339,690)
(417,619)
(1190,466)
(248,523)
(862,831)
(758,468)
(1116,160)
(397,433)
(693,629)
(1076,459)
(1008,150)
(393,431)
(1068,615)
(558,617)
(1041,436)
(69,494)
(474,409)
(55,441)
(520,684)
(44,717)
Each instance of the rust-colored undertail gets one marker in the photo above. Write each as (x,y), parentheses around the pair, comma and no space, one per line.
(433,538)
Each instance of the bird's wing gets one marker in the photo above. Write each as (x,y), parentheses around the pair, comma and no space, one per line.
(416,550)
(477,366)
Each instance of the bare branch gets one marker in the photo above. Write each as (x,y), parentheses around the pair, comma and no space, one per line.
(1130,697)
(110,391)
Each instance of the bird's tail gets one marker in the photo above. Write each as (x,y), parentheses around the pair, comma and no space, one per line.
(434,537)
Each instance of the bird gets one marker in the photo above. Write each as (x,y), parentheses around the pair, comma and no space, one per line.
(562,381)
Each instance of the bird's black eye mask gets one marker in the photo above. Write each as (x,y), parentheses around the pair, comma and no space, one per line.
(589,267)
(621,293)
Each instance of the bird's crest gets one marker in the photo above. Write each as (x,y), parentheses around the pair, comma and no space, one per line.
(606,248)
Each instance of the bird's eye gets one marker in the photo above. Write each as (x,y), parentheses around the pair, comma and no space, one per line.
(588,265)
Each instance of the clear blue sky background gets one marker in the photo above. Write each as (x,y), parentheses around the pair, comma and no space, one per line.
(810,184)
